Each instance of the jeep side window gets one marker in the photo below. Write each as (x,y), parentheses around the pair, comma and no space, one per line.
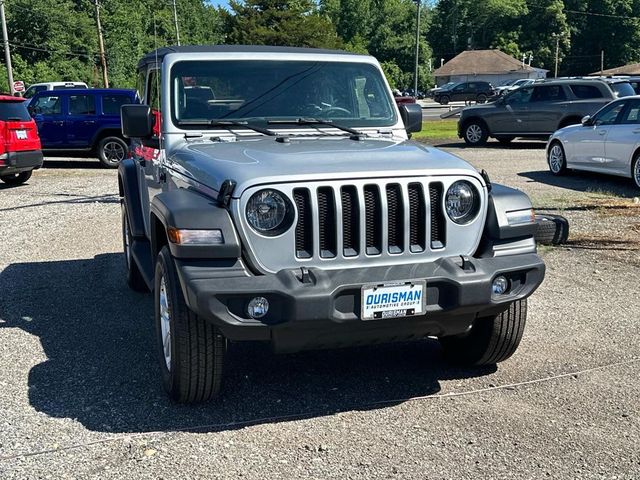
(82,105)
(609,115)
(48,105)
(141,85)
(111,104)
(155,95)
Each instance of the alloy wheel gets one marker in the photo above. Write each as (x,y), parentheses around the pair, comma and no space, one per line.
(556,158)
(474,133)
(165,323)
(113,152)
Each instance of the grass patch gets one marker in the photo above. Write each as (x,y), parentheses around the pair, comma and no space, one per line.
(437,130)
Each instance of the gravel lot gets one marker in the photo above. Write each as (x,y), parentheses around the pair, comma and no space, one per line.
(80,395)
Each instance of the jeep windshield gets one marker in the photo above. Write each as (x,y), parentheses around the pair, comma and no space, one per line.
(262,92)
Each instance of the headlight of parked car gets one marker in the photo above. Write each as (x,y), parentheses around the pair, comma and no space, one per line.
(462,202)
(269,212)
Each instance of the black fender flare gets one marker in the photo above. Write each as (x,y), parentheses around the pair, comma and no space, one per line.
(501,201)
(130,194)
(187,209)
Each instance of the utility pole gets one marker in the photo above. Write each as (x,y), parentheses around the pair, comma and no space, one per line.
(601,62)
(103,59)
(175,20)
(415,79)
(557,53)
(7,52)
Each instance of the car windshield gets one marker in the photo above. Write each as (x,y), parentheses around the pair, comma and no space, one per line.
(349,94)
(623,89)
(14,111)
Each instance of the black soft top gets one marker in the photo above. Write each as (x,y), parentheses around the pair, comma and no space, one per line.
(160,53)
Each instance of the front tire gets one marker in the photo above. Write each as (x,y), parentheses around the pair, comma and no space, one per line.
(111,151)
(491,340)
(16,178)
(635,170)
(190,349)
(444,100)
(482,98)
(475,133)
(556,159)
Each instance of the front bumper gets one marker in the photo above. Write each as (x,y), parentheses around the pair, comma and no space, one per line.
(323,309)
(23,161)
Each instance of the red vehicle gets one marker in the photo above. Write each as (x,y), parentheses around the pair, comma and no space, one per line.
(20,149)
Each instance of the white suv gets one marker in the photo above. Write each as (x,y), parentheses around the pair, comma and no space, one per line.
(40,87)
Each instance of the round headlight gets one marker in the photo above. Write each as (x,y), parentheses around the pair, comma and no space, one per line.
(462,202)
(268,212)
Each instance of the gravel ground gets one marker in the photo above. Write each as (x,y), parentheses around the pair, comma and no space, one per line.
(80,396)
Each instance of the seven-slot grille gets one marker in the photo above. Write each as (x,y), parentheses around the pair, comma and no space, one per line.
(375,219)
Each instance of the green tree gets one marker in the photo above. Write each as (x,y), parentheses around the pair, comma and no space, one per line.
(279,22)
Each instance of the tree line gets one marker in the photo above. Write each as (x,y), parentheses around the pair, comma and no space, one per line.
(57,39)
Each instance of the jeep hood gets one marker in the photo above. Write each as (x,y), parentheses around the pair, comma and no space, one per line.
(264,160)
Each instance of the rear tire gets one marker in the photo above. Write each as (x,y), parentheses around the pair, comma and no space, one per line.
(16,178)
(475,133)
(491,340)
(482,98)
(134,277)
(192,361)
(111,151)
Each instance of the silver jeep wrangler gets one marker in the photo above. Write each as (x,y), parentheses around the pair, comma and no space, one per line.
(273,195)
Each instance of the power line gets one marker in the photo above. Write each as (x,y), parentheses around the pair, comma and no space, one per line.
(40,49)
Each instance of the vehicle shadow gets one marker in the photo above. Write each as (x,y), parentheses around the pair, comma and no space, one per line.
(580,181)
(68,198)
(101,368)
(494,144)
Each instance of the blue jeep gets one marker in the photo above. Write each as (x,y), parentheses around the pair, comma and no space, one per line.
(83,119)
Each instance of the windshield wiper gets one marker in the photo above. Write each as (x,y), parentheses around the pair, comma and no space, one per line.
(355,134)
(228,124)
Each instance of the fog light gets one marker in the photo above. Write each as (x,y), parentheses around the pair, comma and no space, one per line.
(500,285)
(258,307)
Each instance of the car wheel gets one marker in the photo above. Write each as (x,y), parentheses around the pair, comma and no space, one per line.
(475,133)
(111,151)
(444,100)
(556,159)
(635,170)
(191,350)
(491,340)
(505,140)
(134,277)
(16,178)
(551,229)
(482,98)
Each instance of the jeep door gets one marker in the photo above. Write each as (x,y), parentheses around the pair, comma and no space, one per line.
(548,106)
(47,111)
(511,115)
(623,139)
(588,141)
(82,121)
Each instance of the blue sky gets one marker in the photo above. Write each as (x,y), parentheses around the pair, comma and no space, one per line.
(223,3)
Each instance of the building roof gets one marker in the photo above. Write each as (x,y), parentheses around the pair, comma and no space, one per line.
(631,69)
(161,52)
(482,62)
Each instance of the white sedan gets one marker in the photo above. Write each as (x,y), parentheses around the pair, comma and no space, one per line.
(608,142)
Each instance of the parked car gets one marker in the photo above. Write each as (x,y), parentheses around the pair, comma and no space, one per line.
(254,220)
(20,151)
(86,120)
(635,84)
(535,111)
(608,142)
(512,85)
(41,87)
(431,93)
(478,92)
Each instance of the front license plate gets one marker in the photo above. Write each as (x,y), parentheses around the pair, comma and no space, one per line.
(21,134)
(393,300)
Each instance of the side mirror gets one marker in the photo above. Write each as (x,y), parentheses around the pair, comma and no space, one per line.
(587,121)
(411,114)
(137,121)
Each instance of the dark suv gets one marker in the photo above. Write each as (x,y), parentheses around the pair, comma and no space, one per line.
(466,91)
(83,119)
(535,111)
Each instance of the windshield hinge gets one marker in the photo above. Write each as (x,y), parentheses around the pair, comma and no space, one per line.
(225,192)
